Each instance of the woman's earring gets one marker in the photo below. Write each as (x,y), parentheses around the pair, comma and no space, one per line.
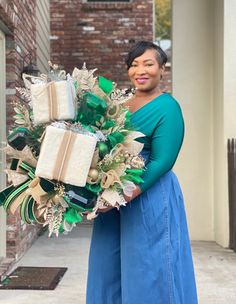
(133,90)
(130,90)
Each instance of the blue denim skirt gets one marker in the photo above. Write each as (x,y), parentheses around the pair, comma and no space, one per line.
(141,254)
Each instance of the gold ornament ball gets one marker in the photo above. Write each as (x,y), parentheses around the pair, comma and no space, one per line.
(113,110)
(93,173)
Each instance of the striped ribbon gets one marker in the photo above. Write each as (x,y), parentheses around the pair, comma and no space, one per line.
(10,195)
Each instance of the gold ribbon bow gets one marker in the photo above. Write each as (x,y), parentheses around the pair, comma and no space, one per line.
(36,191)
(109,178)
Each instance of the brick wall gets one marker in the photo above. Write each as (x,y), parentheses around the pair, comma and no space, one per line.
(18,18)
(98,33)
(166,82)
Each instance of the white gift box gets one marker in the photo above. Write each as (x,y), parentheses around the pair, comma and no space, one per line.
(65,156)
(53,101)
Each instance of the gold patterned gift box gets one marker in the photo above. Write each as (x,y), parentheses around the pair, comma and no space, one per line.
(54,100)
(66,156)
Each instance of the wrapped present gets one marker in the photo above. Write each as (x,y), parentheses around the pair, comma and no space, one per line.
(54,100)
(65,156)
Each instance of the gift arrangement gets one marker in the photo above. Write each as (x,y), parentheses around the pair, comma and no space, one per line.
(72,150)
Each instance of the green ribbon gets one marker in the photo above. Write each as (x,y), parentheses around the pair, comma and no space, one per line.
(88,128)
(133,175)
(31,214)
(105,84)
(16,191)
(92,108)
(72,216)
(5,193)
(9,194)
(14,194)
(95,103)
(108,124)
(135,171)
(134,178)
(128,124)
(115,138)
(93,188)
(75,206)
(24,209)
(18,138)
(14,164)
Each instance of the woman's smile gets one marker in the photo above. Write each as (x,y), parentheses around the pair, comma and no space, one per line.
(141,80)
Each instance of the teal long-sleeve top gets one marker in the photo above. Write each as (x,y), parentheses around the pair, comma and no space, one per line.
(161,121)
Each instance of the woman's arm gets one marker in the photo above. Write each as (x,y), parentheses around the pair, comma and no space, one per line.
(166,142)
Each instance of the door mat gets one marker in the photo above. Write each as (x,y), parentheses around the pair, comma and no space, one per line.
(39,278)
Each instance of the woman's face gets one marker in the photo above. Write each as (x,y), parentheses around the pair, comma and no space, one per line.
(145,71)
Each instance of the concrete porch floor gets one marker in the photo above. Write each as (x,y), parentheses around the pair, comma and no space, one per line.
(215,269)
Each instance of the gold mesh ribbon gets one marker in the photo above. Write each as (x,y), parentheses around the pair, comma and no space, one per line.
(63,156)
(109,179)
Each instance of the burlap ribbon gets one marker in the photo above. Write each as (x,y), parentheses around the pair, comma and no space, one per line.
(52,100)
(24,155)
(63,156)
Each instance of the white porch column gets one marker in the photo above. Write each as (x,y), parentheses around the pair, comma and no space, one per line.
(192,63)
(204,81)
(225,96)
(2,138)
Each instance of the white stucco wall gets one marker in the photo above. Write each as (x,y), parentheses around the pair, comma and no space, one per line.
(204,82)
(221,222)
(224,109)
(230,67)
(192,27)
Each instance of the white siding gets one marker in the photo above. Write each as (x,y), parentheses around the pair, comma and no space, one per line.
(2,139)
(43,34)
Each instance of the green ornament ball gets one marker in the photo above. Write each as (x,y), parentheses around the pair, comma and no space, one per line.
(103,149)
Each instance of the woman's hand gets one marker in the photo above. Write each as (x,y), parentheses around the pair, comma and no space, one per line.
(137,191)
(103,210)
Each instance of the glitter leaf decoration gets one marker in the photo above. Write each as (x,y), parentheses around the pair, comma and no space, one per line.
(25,94)
(85,79)
(23,115)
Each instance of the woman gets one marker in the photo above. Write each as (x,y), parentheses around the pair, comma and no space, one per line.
(141,254)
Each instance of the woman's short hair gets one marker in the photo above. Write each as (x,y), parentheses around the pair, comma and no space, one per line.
(140,47)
